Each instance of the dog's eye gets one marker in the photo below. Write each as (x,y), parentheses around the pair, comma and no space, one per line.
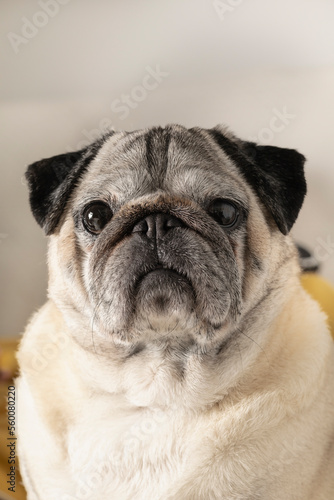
(224,212)
(96,216)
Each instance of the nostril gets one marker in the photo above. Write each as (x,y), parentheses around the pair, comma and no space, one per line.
(141,227)
(174,222)
(157,225)
(165,222)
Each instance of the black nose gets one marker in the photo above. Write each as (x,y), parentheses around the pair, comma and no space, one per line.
(155,226)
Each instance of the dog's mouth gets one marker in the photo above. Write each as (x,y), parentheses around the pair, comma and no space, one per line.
(160,272)
(164,289)
(160,269)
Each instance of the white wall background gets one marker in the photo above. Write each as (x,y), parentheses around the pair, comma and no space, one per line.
(66,62)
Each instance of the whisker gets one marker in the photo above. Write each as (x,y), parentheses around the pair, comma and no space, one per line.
(250,338)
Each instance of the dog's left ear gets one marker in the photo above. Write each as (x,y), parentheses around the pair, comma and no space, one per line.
(276,175)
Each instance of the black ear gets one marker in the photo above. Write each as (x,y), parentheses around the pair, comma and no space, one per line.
(51,182)
(276,175)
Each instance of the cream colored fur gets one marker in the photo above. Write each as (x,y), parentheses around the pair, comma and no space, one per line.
(103,434)
(226,393)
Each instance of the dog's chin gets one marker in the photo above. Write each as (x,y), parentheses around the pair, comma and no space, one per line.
(165,301)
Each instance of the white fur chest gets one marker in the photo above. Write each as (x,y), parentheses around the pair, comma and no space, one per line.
(131,453)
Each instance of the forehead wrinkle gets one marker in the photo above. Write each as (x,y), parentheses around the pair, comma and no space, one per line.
(190,147)
(124,182)
(122,151)
(120,163)
(198,172)
(145,149)
(191,183)
(157,143)
(184,163)
(142,154)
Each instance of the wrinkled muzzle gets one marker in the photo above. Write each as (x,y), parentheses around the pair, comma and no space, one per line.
(163,260)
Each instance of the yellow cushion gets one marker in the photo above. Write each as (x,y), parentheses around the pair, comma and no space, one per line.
(322,292)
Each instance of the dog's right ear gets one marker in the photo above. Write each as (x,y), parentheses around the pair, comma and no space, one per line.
(51,182)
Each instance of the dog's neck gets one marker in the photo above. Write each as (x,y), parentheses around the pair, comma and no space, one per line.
(182,372)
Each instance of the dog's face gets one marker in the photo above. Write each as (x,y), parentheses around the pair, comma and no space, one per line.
(165,234)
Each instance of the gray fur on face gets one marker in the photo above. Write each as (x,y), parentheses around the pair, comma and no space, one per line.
(197,280)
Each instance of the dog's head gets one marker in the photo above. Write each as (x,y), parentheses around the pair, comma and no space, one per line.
(165,233)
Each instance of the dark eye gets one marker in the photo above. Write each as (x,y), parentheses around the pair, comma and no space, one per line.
(224,212)
(96,216)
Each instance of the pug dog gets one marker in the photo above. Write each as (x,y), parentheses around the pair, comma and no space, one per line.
(177,356)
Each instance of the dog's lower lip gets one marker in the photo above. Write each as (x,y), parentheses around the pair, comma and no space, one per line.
(161,269)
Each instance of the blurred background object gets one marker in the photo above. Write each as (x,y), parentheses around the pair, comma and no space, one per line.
(71,69)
